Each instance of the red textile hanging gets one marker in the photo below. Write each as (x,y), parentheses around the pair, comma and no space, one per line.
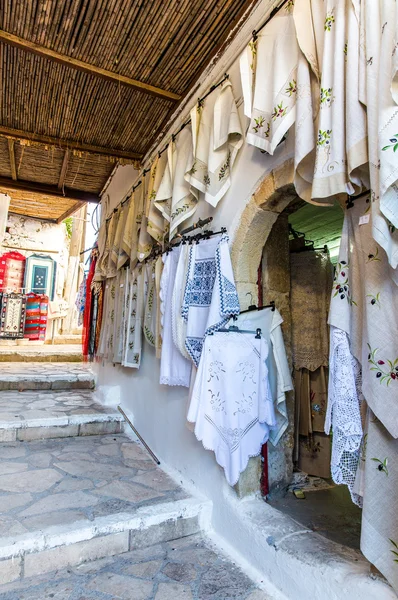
(12,271)
(87,306)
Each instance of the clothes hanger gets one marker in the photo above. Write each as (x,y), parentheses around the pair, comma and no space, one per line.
(253,307)
(235,329)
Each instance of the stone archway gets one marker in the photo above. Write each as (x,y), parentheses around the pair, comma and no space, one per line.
(273,195)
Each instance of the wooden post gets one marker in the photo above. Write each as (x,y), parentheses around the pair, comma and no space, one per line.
(72,276)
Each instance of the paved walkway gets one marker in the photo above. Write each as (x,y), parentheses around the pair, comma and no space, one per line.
(70,480)
(185,569)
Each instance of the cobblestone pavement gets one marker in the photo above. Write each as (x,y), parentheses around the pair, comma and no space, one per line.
(60,481)
(185,569)
(17,408)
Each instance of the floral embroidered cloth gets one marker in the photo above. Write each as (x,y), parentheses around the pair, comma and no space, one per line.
(341,137)
(174,368)
(210,297)
(217,137)
(270,321)
(379,68)
(231,402)
(176,198)
(269,77)
(149,323)
(156,220)
(135,317)
(365,305)
(105,346)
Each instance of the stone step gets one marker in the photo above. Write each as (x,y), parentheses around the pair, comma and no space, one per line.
(181,569)
(68,501)
(68,338)
(45,376)
(42,353)
(35,415)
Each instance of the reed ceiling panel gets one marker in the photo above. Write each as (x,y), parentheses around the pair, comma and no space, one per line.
(162,43)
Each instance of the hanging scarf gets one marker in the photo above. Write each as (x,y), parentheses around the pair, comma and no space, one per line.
(174,368)
(87,317)
(210,297)
(179,324)
(158,336)
(156,221)
(145,241)
(175,192)
(149,325)
(133,342)
(231,403)
(118,324)
(217,138)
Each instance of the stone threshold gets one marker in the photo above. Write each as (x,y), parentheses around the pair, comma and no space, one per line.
(60,427)
(297,561)
(57,547)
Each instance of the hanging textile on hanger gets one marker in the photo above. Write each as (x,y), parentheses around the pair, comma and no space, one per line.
(179,324)
(210,297)
(176,198)
(149,323)
(231,402)
(271,57)
(217,138)
(174,368)
(364,305)
(156,221)
(269,320)
(137,299)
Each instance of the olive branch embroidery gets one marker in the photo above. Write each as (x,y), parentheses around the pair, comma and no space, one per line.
(382,466)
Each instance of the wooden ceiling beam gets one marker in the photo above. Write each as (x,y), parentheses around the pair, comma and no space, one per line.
(48,190)
(11,153)
(69,212)
(79,65)
(64,169)
(48,140)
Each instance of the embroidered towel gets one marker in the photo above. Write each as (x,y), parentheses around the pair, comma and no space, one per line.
(149,324)
(156,221)
(231,403)
(210,297)
(217,138)
(270,322)
(272,111)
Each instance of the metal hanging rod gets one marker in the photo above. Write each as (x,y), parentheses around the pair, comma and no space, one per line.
(198,225)
(272,14)
(200,101)
(350,200)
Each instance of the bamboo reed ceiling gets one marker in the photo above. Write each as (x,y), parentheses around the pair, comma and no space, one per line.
(165,44)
